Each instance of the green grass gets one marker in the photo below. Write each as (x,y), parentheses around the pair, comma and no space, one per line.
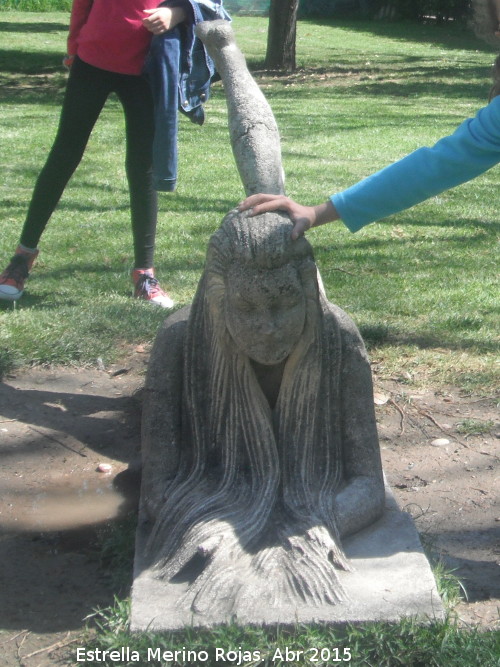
(422,286)
(475,426)
(407,643)
(36,5)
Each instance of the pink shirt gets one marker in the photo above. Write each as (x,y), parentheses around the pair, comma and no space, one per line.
(109,33)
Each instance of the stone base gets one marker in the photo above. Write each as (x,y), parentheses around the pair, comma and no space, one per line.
(392,579)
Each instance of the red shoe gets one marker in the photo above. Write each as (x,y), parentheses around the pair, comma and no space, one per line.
(148,288)
(13,278)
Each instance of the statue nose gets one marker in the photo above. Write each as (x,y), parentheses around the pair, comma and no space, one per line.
(267,324)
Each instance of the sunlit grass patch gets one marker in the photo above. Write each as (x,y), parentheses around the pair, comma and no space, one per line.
(422,286)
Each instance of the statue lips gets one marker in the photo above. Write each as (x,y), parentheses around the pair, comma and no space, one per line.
(272,348)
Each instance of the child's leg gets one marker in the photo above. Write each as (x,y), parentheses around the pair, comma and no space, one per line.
(135,95)
(85,96)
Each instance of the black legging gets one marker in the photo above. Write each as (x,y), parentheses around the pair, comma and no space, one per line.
(86,93)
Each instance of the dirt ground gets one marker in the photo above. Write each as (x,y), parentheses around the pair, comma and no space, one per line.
(59,425)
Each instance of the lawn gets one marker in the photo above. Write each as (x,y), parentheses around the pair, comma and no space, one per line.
(422,285)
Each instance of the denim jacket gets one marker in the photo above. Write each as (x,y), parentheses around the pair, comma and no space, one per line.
(179,70)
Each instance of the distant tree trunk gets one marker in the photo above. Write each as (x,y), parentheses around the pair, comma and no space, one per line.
(281,36)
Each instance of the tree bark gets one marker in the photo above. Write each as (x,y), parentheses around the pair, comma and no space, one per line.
(281,36)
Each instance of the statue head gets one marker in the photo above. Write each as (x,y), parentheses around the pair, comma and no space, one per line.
(265,311)
(261,285)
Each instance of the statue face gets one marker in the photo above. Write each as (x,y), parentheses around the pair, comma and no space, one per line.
(265,312)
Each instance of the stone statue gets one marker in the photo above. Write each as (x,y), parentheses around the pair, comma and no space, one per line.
(253,131)
(260,443)
(260,449)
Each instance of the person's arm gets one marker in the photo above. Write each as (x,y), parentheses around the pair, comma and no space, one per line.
(80,11)
(471,150)
(165,17)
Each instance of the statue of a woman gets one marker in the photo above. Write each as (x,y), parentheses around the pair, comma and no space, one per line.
(260,449)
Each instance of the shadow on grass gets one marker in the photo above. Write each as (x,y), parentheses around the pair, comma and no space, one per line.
(483,230)
(168,203)
(433,340)
(451,36)
(393,80)
(180,203)
(38,295)
(165,266)
(380,336)
(40,93)
(462,82)
(377,255)
(17,61)
(31,78)
(433,87)
(11,26)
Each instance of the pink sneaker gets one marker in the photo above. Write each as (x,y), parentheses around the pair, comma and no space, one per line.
(148,288)
(13,278)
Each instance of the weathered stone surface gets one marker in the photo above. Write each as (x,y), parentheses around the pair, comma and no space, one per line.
(391,579)
(259,440)
(252,127)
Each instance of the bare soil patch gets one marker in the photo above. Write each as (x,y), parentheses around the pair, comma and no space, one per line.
(59,425)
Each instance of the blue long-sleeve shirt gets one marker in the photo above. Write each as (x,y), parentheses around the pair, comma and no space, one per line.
(473,148)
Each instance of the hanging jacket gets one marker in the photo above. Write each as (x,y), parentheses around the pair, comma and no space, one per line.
(180,71)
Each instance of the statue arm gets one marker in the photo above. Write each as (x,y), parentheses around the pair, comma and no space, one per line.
(361,501)
(162,409)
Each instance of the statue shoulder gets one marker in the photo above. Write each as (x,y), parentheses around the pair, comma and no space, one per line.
(351,341)
(343,321)
(167,353)
(175,322)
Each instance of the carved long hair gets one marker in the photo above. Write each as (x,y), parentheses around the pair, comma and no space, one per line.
(255,483)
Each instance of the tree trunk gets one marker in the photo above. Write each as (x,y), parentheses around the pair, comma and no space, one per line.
(281,35)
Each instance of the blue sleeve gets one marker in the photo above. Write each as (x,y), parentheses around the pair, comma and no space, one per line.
(472,149)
